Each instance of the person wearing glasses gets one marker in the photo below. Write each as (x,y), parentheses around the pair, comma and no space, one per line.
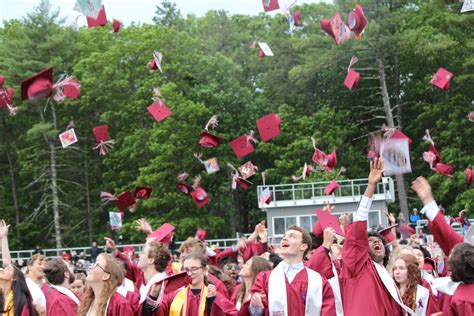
(60,300)
(200,298)
(15,298)
(101,297)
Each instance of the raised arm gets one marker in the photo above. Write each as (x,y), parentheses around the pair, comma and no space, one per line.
(356,245)
(443,233)
(7,259)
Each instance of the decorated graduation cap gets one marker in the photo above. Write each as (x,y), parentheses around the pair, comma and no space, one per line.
(333,185)
(101,19)
(201,234)
(199,194)
(211,165)
(163,233)
(102,138)
(247,170)
(434,159)
(37,86)
(6,97)
(356,21)
(470,175)
(90,8)
(468,5)
(442,79)
(353,77)
(242,145)
(335,28)
(210,140)
(183,187)
(269,126)
(264,50)
(66,87)
(395,151)
(325,220)
(387,233)
(326,162)
(266,195)
(238,180)
(296,18)
(270,5)
(443,169)
(116,25)
(142,193)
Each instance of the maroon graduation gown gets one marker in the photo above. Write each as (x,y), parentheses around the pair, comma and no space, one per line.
(220,307)
(244,306)
(57,303)
(444,234)
(362,290)
(119,306)
(296,293)
(461,303)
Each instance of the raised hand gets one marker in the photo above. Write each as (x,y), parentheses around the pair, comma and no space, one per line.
(391,218)
(3,229)
(329,235)
(344,219)
(423,189)
(376,171)
(328,208)
(211,290)
(256,300)
(144,226)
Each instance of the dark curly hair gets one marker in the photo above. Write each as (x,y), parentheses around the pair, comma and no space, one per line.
(385,245)
(461,263)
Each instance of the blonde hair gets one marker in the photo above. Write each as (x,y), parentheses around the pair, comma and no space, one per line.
(194,243)
(117,275)
(396,254)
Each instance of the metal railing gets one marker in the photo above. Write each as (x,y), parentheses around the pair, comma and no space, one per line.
(315,190)
(57,252)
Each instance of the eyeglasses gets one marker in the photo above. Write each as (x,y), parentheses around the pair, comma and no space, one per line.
(98,265)
(192,270)
(232,267)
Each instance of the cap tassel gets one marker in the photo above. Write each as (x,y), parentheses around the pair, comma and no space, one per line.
(251,138)
(198,156)
(212,122)
(157,95)
(341,171)
(427,137)
(105,146)
(470,116)
(182,176)
(388,131)
(58,87)
(197,182)
(106,197)
(263,178)
(354,60)
(11,109)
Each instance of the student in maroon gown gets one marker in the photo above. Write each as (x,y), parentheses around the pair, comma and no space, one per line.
(101,297)
(200,298)
(408,279)
(15,298)
(291,288)
(241,294)
(60,300)
(366,287)
(459,299)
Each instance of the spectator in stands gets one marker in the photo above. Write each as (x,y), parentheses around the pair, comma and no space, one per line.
(101,297)
(463,220)
(401,219)
(95,251)
(414,218)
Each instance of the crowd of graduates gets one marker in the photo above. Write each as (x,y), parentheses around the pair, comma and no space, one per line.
(343,270)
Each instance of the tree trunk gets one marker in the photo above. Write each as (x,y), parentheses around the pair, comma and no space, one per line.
(399,178)
(88,200)
(14,194)
(54,183)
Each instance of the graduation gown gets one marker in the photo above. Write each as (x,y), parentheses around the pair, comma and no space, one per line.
(461,303)
(242,307)
(444,234)
(221,306)
(296,293)
(118,306)
(57,303)
(363,292)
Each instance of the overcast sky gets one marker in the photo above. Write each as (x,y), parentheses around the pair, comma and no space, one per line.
(136,10)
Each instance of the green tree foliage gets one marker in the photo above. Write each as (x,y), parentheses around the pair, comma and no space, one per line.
(209,68)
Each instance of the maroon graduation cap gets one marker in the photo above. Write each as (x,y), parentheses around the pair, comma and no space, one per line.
(387,233)
(442,79)
(37,86)
(163,233)
(270,5)
(159,110)
(100,21)
(142,193)
(269,126)
(124,200)
(324,221)
(357,21)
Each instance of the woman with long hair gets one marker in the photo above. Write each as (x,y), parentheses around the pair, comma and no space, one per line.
(248,273)
(461,265)
(200,298)
(101,297)
(408,279)
(15,298)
